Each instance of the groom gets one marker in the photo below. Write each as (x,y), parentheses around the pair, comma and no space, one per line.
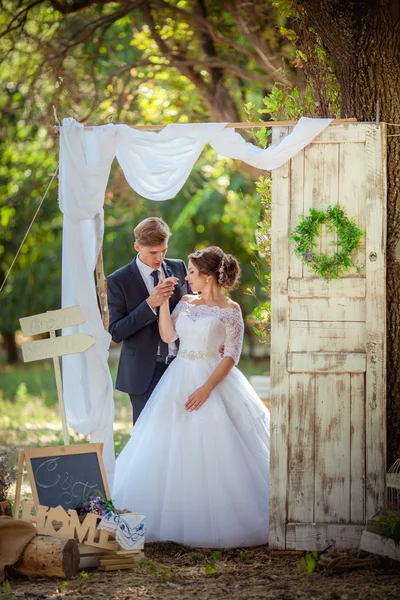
(135,294)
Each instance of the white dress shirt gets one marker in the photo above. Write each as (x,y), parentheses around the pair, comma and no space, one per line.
(146,272)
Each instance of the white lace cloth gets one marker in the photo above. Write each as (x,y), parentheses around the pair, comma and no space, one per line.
(200,477)
(129,529)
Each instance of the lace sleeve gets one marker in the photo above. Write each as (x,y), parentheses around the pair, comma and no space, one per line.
(175,313)
(234,334)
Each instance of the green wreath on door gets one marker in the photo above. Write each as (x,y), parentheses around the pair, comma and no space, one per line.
(304,239)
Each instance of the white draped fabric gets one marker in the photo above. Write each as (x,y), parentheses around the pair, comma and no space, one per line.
(156,165)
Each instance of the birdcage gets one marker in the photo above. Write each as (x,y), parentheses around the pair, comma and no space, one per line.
(393,485)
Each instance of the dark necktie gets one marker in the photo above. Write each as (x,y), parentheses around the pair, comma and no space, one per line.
(156,276)
(162,347)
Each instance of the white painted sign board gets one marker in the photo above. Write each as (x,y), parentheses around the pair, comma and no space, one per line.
(54,346)
(57,346)
(51,321)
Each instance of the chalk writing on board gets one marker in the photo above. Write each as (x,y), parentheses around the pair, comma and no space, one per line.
(50,465)
(73,491)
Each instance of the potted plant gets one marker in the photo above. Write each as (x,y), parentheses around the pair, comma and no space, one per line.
(382,535)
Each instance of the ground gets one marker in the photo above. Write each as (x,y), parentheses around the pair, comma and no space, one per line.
(172,572)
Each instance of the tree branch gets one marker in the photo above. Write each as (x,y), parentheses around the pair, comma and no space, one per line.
(260,47)
(72,6)
(200,24)
(20,17)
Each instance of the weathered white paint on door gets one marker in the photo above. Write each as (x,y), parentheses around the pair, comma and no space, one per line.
(328,348)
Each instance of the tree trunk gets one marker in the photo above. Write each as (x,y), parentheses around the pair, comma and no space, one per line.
(47,556)
(10,347)
(363,40)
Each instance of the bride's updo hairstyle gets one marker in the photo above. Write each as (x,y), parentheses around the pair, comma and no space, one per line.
(213,261)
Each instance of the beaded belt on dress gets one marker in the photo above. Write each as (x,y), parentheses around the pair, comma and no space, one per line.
(196,355)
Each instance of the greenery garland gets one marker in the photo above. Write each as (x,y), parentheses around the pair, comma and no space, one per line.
(348,241)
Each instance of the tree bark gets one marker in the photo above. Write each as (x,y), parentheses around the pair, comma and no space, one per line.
(101,288)
(47,556)
(363,41)
(10,347)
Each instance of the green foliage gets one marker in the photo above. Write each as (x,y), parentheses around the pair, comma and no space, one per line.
(287,103)
(262,249)
(308,563)
(153,568)
(27,163)
(108,504)
(80,580)
(211,565)
(304,238)
(7,593)
(244,556)
(387,526)
(261,134)
(130,60)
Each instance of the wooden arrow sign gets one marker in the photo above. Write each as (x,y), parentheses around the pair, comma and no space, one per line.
(51,321)
(56,346)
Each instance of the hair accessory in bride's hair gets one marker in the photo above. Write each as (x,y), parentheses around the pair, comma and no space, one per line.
(221,270)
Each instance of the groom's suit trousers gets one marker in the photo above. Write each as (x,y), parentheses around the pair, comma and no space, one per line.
(138,401)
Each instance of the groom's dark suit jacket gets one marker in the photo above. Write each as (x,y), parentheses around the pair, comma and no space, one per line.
(133,322)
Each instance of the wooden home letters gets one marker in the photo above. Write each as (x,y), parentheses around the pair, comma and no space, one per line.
(58,523)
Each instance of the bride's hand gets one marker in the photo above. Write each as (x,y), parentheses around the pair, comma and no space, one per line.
(197,399)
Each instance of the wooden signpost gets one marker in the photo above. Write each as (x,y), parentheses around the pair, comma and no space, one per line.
(54,347)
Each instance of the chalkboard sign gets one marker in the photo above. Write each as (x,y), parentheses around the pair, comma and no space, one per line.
(66,475)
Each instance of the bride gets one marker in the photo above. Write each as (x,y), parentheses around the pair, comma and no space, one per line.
(197,462)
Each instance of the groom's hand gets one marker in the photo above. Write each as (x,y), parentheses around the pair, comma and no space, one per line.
(161,292)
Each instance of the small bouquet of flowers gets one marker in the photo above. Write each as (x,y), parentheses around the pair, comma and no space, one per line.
(97,505)
(129,528)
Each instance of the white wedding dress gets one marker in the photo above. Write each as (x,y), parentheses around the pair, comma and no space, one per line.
(201,478)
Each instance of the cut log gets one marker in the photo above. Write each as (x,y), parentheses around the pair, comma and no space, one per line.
(5,508)
(47,556)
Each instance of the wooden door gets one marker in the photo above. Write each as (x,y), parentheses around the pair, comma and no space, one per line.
(328,429)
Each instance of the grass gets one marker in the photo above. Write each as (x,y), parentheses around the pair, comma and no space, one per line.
(29,411)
